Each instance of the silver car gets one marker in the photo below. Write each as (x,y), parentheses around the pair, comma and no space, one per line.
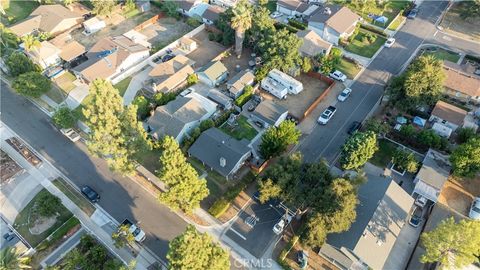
(475,209)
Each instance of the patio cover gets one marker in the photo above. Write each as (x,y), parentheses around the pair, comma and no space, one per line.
(381,19)
(419,121)
(426,191)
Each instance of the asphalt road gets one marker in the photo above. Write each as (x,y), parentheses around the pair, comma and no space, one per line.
(120,197)
(326,141)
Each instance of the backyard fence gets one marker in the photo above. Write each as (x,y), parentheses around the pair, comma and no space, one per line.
(149,22)
(331,84)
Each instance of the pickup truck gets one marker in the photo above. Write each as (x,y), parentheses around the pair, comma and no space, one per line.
(138,233)
(71,134)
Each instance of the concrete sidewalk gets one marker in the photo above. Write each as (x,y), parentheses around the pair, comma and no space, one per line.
(44,174)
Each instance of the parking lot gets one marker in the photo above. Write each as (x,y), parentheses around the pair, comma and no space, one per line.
(253,230)
(298,104)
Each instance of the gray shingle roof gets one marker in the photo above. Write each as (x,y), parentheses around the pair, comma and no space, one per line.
(269,111)
(213,145)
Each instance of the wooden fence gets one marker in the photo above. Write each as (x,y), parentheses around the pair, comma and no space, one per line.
(149,22)
(331,84)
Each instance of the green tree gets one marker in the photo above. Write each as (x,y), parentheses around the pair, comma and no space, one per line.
(185,189)
(405,161)
(358,149)
(130,5)
(262,26)
(465,159)
(408,130)
(262,2)
(122,237)
(241,22)
(47,204)
(377,126)
(276,139)
(223,24)
(326,65)
(424,80)
(110,122)
(206,124)
(31,84)
(170,8)
(465,134)
(11,260)
(64,117)
(8,40)
(469,9)
(193,250)
(30,42)
(68,2)
(103,7)
(18,63)
(42,36)
(192,79)
(453,245)
(268,190)
(143,106)
(306,64)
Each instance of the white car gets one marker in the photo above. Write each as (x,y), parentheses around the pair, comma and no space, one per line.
(327,115)
(275,15)
(421,201)
(344,94)
(70,134)
(475,209)
(337,75)
(389,42)
(279,226)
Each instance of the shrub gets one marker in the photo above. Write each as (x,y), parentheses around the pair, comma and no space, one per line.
(206,124)
(371,37)
(245,97)
(408,130)
(211,36)
(222,118)
(192,79)
(31,84)
(195,133)
(143,106)
(193,22)
(163,98)
(465,134)
(297,24)
(219,207)
(373,29)
(18,63)
(47,204)
(64,118)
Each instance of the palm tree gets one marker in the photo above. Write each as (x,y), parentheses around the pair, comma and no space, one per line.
(7,38)
(241,22)
(30,42)
(11,260)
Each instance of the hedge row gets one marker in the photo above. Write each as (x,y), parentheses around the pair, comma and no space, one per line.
(290,28)
(219,207)
(373,29)
(297,24)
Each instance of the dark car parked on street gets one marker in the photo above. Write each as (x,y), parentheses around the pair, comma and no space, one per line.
(91,194)
(354,127)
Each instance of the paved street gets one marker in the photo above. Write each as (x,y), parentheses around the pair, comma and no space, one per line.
(325,141)
(121,197)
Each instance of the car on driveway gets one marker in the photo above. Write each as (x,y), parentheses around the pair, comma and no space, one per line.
(327,115)
(275,15)
(91,194)
(344,94)
(421,201)
(416,217)
(354,127)
(412,14)
(302,259)
(389,42)
(475,209)
(337,75)
(281,224)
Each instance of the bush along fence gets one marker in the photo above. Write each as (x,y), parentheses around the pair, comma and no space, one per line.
(374,30)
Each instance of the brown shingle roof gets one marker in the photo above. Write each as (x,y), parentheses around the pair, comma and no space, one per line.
(72,50)
(168,75)
(449,112)
(457,80)
(342,20)
(313,44)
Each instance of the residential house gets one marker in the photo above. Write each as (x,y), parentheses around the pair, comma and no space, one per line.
(224,3)
(313,45)
(220,152)
(187,44)
(45,55)
(211,14)
(432,175)
(71,49)
(296,8)
(109,57)
(269,113)
(381,215)
(178,117)
(333,22)
(213,73)
(238,82)
(223,101)
(169,75)
(53,19)
(93,25)
(448,115)
(192,8)
(461,82)
(280,84)
(138,38)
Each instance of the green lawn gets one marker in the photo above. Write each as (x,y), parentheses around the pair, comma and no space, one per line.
(384,154)
(56,94)
(123,85)
(78,110)
(74,195)
(215,181)
(364,48)
(24,220)
(65,82)
(131,13)
(442,54)
(243,130)
(150,160)
(395,24)
(392,8)
(348,68)
(18,10)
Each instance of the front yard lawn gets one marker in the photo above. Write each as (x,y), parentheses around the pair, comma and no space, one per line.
(55,94)
(26,219)
(348,68)
(362,47)
(395,24)
(65,82)
(242,129)
(17,10)
(391,10)
(74,195)
(384,154)
(442,54)
(123,85)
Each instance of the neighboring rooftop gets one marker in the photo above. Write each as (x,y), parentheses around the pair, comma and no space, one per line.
(240,80)
(459,79)
(219,151)
(313,44)
(212,13)
(213,70)
(449,112)
(169,74)
(269,111)
(336,17)
(381,214)
(435,169)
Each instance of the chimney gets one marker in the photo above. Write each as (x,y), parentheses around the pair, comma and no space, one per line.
(223,162)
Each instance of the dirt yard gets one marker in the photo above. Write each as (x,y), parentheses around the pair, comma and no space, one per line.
(206,50)
(166,30)
(453,23)
(298,104)
(458,194)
